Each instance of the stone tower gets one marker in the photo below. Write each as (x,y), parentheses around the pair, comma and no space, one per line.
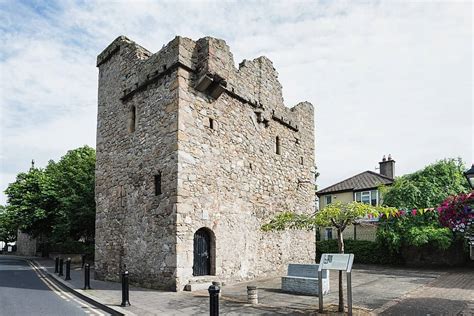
(193,156)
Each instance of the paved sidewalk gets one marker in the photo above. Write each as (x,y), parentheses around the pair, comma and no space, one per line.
(376,290)
(450,294)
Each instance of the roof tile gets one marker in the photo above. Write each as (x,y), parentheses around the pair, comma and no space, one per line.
(365,180)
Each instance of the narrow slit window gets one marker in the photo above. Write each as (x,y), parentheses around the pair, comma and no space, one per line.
(211,123)
(132,116)
(277,146)
(301,160)
(158,184)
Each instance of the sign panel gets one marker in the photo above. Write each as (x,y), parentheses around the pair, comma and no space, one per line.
(336,261)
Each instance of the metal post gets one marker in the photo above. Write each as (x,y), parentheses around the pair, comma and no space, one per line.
(349,293)
(252,294)
(125,292)
(320,281)
(87,277)
(61,262)
(83,260)
(56,265)
(219,285)
(214,300)
(68,269)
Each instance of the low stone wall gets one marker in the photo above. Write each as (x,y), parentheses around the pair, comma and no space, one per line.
(26,245)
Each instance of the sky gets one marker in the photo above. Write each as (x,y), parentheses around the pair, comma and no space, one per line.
(385,77)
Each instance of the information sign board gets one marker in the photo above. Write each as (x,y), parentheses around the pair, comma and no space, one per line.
(336,261)
(341,262)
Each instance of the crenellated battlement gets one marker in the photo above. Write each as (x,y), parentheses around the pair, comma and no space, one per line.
(212,71)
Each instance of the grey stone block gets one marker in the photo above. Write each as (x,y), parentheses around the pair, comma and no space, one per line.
(303,279)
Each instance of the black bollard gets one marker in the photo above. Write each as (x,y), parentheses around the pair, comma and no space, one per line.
(61,262)
(56,265)
(125,297)
(214,300)
(87,277)
(68,269)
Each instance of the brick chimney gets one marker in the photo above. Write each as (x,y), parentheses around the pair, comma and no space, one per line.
(387,167)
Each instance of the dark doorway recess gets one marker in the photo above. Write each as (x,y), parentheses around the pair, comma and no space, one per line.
(203,252)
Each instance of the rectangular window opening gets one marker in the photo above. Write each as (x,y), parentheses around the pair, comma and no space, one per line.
(328,233)
(132,118)
(211,123)
(277,146)
(374,198)
(367,197)
(328,199)
(158,184)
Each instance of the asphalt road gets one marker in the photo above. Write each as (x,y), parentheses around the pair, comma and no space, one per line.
(25,290)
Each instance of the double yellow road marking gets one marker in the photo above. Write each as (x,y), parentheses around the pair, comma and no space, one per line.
(61,293)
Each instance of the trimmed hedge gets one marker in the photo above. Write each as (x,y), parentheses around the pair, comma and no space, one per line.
(72,247)
(369,252)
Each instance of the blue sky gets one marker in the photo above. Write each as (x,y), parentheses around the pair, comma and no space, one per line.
(384,76)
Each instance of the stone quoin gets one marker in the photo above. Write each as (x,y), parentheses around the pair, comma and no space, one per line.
(193,156)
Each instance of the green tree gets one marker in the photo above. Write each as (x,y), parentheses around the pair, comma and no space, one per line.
(7,225)
(338,215)
(31,203)
(416,228)
(56,204)
(73,180)
(427,187)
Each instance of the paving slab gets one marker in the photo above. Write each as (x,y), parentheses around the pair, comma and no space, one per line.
(376,290)
(450,294)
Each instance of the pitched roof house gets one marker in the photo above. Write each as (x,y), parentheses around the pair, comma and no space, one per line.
(362,187)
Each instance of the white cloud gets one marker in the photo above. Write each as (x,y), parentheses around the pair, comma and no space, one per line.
(386,77)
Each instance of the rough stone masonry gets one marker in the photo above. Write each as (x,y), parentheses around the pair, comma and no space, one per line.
(193,156)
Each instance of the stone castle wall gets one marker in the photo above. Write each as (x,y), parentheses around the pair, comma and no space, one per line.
(227,178)
(25,244)
(134,227)
(231,179)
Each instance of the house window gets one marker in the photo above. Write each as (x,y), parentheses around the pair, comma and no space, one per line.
(328,199)
(368,197)
(158,184)
(365,197)
(277,146)
(374,199)
(328,233)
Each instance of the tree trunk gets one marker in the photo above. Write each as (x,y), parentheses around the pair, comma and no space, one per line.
(340,243)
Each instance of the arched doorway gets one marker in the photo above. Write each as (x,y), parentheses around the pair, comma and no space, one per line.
(204,252)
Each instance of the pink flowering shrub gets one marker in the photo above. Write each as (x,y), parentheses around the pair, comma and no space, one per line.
(456,213)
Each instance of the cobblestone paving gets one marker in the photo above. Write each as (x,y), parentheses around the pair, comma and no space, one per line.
(450,294)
